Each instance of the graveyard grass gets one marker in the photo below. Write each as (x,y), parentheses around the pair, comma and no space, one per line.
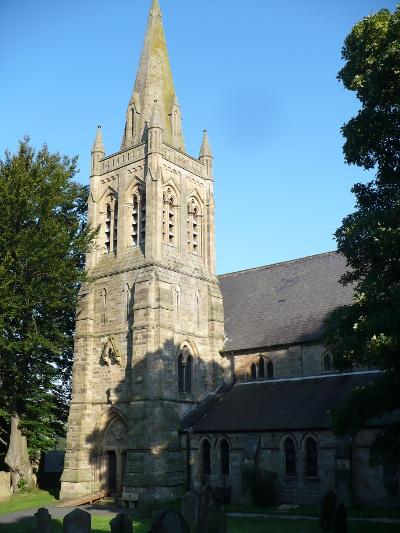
(30,500)
(100,524)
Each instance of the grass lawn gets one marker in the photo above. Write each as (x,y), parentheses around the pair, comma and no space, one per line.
(275,525)
(313,510)
(34,499)
(100,524)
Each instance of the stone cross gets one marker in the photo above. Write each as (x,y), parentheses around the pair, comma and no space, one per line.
(42,521)
(170,522)
(77,521)
(121,524)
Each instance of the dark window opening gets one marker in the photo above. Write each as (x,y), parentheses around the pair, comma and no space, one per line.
(224,458)
(185,371)
(188,374)
(261,368)
(181,374)
(206,458)
(290,457)
(311,458)
(327,363)
(253,372)
(270,370)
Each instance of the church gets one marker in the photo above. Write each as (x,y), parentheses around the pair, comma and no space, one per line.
(183,378)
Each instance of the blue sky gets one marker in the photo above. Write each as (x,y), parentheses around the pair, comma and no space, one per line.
(260,75)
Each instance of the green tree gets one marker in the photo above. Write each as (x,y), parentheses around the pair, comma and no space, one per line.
(43,240)
(367,333)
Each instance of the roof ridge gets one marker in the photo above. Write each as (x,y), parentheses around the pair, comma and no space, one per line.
(305,378)
(279,263)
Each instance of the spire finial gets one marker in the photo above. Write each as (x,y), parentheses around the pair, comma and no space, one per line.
(205,150)
(98,145)
(153,82)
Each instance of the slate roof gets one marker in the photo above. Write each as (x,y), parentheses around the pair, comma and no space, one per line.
(277,405)
(284,303)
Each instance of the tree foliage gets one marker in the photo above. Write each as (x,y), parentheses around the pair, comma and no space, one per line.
(367,333)
(43,239)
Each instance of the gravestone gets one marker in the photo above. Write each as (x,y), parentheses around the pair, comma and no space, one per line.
(170,522)
(77,521)
(121,524)
(328,505)
(340,519)
(5,484)
(189,509)
(214,520)
(42,521)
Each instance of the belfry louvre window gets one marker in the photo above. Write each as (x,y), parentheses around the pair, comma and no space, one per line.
(138,224)
(107,235)
(169,218)
(194,227)
(111,226)
(311,458)
(290,457)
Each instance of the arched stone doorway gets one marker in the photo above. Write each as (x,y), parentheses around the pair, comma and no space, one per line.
(110,458)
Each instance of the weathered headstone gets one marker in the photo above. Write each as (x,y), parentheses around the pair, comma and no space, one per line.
(328,505)
(215,520)
(121,524)
(42,521)
(170,522)
(5,484)
(77,521)
(340,519)
(189,509)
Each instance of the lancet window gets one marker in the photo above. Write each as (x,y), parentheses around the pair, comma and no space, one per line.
(169,217)
(194,227)
(290,457)
(225,460)
(111,225)
(311,458)
(138,217)
(205,458)
(185,370)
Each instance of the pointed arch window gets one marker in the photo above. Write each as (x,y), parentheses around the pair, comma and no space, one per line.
(270,370)
(128,298)
(205,458)
(194,227)
(327,363)
(138,218)
(311,458)
(111,225)
(103,306)
(115,228)
(253,371)
(169,218)
(290,457)
(185,371)
(261,367)
(107,231)
(225,459)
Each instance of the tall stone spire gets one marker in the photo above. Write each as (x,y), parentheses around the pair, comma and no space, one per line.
(153,82)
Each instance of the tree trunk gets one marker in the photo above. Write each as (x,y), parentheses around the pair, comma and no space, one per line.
(17,457)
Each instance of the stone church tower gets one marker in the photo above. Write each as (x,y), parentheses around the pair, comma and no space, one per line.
(150,318)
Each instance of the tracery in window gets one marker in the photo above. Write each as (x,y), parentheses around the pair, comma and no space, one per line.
(290,457)
(169,217)
(194,227)
(138,217)
(311,457)
(185,370)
